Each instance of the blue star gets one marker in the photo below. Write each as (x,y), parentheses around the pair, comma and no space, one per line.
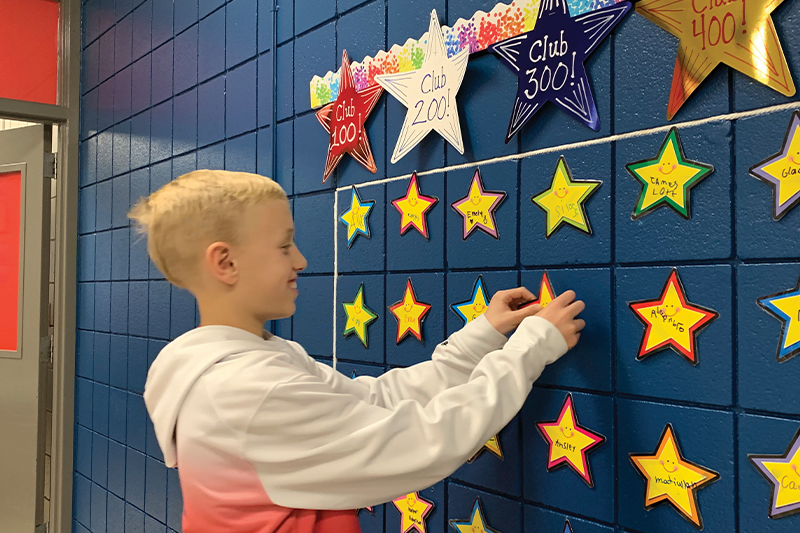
(549,61)
(567,527)
(785,306)
(356,218)
(471,309)
(477,522)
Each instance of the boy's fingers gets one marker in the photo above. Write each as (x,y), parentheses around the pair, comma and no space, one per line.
(519,293)
(575,308)
(530,310)
(564,299)
(579,324)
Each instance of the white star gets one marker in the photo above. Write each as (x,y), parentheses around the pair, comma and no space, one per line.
(429,93)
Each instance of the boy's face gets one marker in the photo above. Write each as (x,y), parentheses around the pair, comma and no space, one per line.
(269,261)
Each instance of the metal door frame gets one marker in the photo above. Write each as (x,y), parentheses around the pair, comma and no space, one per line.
(65,114)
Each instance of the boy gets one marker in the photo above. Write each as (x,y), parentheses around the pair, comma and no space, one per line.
(266,439)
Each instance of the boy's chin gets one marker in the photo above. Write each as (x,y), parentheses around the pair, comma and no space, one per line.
(280,314)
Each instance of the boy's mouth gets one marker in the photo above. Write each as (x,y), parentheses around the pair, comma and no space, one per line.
(293,283)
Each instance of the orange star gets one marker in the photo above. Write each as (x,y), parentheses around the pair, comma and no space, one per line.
(672,478)
(409,313)
(671,321)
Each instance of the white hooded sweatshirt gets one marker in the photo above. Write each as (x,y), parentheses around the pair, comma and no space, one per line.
(259,430)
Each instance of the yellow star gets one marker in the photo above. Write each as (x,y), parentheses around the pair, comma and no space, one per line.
(570,442)
(409,314)
(355,218)
(476,523)
(413,512)
(413,208)
(672,478)
(738,34)
(667,179)
(477,208)
(358,317)
(474,307)
(783,473)
(492,445)
(785,306)
(782,171)
(564,200)
(671,321)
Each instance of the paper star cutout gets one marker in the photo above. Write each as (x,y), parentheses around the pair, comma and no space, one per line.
(783,472)
(344,120)
(782,171)
(413,208)
(475,524)
(549,61)
(471,309)
(358,317)
(570,442)
(738,34)
(369,509)
(357,217)
(785,306)
(492,445)
(667,179)
(414,511)
(429,93)
(672,478)
(671,321)
(567,527)
(546,293)
(564,201)
(478,206)
(409,313)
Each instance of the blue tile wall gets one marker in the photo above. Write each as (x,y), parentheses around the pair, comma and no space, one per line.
(168,86)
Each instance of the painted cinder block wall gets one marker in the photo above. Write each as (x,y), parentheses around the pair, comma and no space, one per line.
(173,85)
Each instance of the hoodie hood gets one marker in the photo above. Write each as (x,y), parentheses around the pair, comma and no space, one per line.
(178,367)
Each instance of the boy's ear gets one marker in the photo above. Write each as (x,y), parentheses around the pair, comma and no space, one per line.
(219,261)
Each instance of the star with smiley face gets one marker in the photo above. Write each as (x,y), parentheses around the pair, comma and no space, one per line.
(476,522)
(671,321)
(471,309)
(413,208)
(570,442)
(356,218)
(414,511)
(782,171)
(783,473)
(549,61)
(409,313)
(344,120)
(785,306)
(477,208)
(667,179)
(564,201)
(671,478)
(358,317)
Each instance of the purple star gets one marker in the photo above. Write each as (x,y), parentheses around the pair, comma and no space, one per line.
(791,152)
(774,468)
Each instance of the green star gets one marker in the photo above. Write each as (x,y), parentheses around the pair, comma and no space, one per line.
(358,317)
(668,178)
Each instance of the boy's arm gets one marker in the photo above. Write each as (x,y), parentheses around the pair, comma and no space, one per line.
(317,448)
(451,364)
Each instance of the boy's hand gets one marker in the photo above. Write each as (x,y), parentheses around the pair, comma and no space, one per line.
(561,312)
(502,312)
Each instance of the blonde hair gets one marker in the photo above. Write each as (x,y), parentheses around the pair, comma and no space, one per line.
(196,209)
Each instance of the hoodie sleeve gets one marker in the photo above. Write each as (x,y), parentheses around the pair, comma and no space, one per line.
(314,447)
(451,364)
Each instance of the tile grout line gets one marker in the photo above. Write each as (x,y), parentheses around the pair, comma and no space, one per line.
(592,142)
(335,269)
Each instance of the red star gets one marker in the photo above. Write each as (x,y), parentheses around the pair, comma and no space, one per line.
(671,321)
(344,120)
(409,313)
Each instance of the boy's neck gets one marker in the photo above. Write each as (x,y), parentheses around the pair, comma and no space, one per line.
(217,315)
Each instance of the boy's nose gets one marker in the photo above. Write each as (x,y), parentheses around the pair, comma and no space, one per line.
(300,260)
